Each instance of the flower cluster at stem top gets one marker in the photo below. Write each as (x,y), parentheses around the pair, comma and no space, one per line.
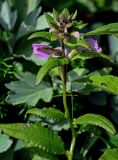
(64,22)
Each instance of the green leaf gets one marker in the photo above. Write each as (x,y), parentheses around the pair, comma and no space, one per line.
(42,23)
(50,64)
(55,14)
(105,82)
(102,81)
(25,91)
(47,35)
(5,143)
(64,15)
(35,136)
(74,15)
(110,154)
(107,29)
(51,21)
(29,23)
(32,4)
(49,113)
(79,25)
(88,55)
(97,120)
(7,17)
(76,42)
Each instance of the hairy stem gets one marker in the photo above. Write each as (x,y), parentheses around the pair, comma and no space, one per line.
(63,76)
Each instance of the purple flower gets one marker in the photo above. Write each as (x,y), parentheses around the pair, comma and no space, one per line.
(94,45)
(42,51)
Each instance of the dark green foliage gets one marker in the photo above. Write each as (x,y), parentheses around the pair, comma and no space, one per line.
(85,90)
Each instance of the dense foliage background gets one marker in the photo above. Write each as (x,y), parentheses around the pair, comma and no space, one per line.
(18,19)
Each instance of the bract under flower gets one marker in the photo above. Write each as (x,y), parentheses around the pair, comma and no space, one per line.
(76,34)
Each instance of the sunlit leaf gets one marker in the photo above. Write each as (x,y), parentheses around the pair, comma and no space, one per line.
(35,136)
(47,35)
(107,29)
(97,120)
(110,154)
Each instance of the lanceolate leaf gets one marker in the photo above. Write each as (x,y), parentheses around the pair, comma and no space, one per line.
(76,43)
(55,14)
(74,15)
(97,120)
(64,15)
(107,29)
(35,136)
(104,82)
(47,35)
(108,83)
(49,113)
(89,55)
(110,154)
(50,64)
(51,21)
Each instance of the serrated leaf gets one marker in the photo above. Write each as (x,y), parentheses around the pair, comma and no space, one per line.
(35,136)
(102,81)
(110,154)
(89,55)
(55,14)
(49,113)
(105,82)
(47,35)
(107,29)
(51,21)
(97,120)
(25,91)
(50,64)
(64,14)
(77,43)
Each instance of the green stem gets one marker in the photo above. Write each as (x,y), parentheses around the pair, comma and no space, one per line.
(63,76)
